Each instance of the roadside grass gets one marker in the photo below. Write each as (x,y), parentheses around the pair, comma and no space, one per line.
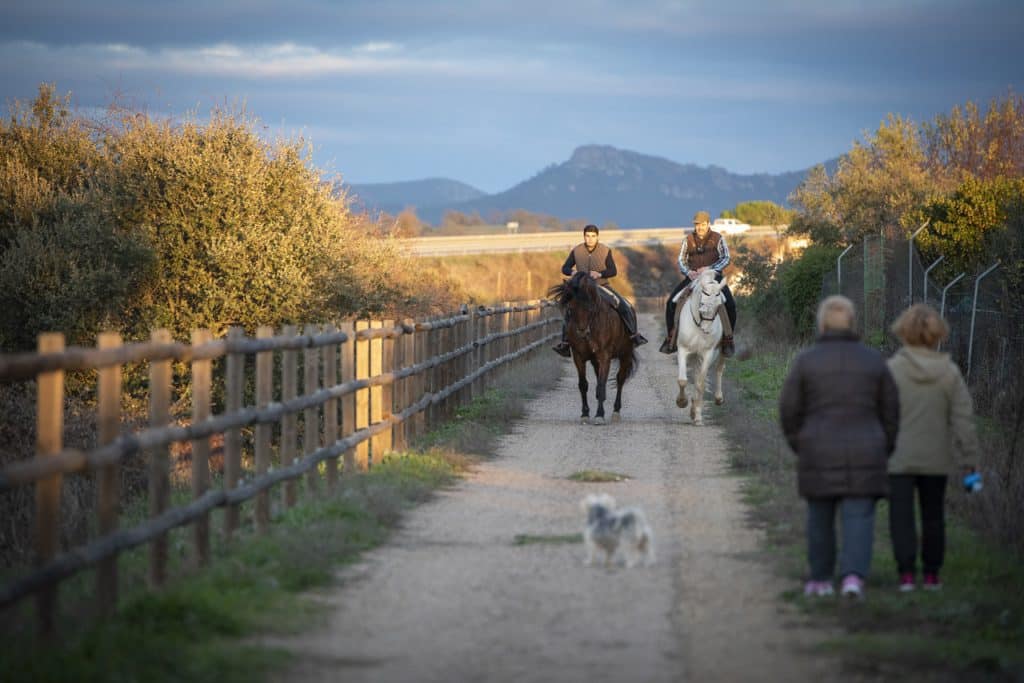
(205,624)
(973,629)
(555,539)
(597,477)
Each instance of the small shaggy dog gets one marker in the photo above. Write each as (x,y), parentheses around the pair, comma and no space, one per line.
(609,529)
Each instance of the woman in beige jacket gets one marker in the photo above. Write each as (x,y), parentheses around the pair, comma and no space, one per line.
(936,439)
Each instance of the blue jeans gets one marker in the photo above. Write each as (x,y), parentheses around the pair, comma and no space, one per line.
(858,529)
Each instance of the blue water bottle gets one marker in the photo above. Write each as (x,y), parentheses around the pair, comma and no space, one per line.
(972,482)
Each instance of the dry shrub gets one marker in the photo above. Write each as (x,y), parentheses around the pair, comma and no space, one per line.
(17,506)
(998,509)
(489,278)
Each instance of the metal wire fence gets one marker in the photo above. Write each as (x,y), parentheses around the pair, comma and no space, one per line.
(882,277)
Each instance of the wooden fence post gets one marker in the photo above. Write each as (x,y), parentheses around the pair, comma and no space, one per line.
(471,354)
(311,416)
(377,365)
(49,441)
(330,362)
(393,393)
(348,401)
(362,460)
(201,376)
(444,345)
(453,368)
(108,477)
(159,458)
(234,389)
(419,385)
(433,344)
(289,421)
(510,340)
(479,357)
(464,340)
(535,314)
(264,395)
(405,389)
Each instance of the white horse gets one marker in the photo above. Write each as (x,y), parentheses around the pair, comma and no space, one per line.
(700,331)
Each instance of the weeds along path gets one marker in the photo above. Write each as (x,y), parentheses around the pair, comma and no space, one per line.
(487,582)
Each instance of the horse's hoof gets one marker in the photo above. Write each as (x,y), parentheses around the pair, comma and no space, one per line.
(719,400)
(682,402)
(598,421)
(616,417)
(698,423)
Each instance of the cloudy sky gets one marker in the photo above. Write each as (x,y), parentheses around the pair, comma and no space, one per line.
(491,92)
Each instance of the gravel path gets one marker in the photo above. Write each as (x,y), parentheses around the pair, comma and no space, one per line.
(453,598)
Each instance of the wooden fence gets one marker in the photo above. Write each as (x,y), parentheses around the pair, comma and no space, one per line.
(368,387)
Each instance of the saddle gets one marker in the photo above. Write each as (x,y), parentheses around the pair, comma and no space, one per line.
(609,296)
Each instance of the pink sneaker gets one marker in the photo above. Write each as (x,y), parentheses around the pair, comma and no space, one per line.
(818,589)
(853,586)
(932,582)
(907,583)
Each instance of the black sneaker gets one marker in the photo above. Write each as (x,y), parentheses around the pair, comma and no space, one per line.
(667,347)
(562,349)
(638,339)
(728,347)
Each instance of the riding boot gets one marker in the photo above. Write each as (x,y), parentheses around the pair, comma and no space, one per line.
(669,345)
(727,345)
(562,347)
(629,320)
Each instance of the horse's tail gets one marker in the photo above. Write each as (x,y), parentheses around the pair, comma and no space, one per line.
(629,362)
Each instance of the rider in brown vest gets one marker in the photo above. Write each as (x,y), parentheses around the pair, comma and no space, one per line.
(701,250)
(596,259)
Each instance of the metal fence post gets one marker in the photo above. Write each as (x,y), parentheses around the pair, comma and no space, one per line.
(924,292)
(942,308)
(910,263)
(974,310)
(839,270)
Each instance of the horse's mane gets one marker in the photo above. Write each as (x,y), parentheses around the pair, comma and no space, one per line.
(580,287)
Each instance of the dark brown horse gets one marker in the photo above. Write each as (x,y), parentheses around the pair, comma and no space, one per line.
(596,335)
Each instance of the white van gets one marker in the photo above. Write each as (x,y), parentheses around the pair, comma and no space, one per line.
(729,226)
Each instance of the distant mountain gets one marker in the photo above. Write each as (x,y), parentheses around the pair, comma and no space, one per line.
(600,184)
(394,197)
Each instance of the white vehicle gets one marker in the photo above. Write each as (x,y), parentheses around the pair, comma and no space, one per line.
(729,226)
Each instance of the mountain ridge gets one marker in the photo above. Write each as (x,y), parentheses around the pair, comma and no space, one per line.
(604,184)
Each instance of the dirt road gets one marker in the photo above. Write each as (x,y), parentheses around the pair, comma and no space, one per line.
(453,598)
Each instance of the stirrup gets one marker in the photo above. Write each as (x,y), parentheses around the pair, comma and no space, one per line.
(669,345)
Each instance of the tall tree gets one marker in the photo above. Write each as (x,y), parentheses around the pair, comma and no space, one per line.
(880,181)
(966,143)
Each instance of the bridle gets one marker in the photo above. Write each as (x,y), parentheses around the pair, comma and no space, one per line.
(590,305)
(695,309)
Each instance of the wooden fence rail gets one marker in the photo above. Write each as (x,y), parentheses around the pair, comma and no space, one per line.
(371,382)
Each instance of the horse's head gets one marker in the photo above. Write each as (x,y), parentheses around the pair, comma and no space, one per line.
(708,295)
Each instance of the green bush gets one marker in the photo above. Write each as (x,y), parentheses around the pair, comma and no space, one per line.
(75,275)
(134,223)
(801,285)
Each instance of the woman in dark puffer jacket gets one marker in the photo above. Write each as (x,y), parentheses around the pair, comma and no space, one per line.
(839,409)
